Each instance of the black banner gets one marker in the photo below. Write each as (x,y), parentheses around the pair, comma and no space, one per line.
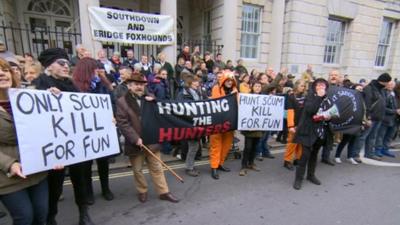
(175,121)
(346,108)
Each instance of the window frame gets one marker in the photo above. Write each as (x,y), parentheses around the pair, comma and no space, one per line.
(388,45)
(341,44)
(251,34)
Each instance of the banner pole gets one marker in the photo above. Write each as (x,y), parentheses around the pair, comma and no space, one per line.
(165,165)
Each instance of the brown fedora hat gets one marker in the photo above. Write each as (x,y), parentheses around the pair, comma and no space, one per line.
(137,77)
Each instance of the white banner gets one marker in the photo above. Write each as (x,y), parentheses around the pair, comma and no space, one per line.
(62,129)
(131,27)
(260,112)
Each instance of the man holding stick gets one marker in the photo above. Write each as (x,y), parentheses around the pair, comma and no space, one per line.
(128,119)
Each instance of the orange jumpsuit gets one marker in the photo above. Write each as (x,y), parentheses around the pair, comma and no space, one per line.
(220,144)
(292,149)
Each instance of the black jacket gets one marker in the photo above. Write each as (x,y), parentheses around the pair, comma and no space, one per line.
(390,112)
(44,82)
(306,132)
(374,101)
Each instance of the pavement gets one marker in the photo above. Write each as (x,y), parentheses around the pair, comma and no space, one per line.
(350,194)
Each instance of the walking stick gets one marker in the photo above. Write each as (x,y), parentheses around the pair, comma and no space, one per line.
(165,165)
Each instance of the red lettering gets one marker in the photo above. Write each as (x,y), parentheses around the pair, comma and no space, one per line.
(190,133)
(179,133)
(165,135)
(217,129)
(209,130)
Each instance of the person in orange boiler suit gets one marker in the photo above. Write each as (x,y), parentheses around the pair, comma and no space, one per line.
(220,144)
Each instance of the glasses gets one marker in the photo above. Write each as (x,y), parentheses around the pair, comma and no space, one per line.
(62,62)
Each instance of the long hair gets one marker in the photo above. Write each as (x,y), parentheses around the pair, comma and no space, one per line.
(297,86)
(84,72)
(5,65)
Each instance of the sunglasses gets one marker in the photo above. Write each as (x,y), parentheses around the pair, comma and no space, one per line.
(62,62)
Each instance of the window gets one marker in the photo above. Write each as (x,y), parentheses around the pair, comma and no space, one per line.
(334,41)
(384,43)
(207,45)
(251,30)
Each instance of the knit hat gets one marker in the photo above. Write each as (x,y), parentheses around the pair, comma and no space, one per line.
(384,77)
(50,55)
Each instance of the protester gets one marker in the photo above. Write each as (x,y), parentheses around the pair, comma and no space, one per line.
(229,65)
(29,59)
(374,103)
(196,55)
(88,79)
(128,120)
(240,68)
(56,75)
(122,88)
(220,144)
(25,197)
(159,86)
(209,62)
(295,108)
(17,71)
(251,141)
(80,54)
(219,62)
(312,133)
(308,75)
(130,60)
(170,70)
(191,93)
(244,86)
(116,63)
(32,71)
(185,54)
(146,66)
(388,126)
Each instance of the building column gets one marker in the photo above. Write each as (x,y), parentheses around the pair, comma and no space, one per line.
(278,14)
(229,29)
(169,7)
(86,34)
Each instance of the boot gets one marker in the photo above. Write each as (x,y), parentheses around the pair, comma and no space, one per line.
(313,179)
(214,174)
(299,178)
(288,165)
(84,218)
(51,220)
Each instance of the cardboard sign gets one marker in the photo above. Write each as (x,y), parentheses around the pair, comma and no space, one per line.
(62,129)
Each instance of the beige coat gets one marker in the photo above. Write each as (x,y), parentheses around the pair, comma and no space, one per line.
(8,155)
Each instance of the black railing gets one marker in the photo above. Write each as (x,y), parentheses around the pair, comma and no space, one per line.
(21,38)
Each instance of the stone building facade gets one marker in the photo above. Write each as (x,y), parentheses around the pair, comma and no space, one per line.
(359,37)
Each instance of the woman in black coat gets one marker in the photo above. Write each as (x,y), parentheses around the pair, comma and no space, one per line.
(312,132)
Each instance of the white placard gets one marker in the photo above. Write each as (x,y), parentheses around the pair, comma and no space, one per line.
(62,129)
(260,112)
(131,27)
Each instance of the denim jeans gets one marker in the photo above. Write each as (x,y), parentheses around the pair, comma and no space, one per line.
(385,136)
(347,139)
(358,142)
(28,206)
(370,140)
(193,147)
(262,147)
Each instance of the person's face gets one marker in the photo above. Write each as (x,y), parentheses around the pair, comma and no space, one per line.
(334,77)
(188,65)
(181,61)
(163,74)
(81,52)
(195,85)
(186,49)
(390,86)
(16,70)
(144,59)
(302,87)
(162,58)
(5,78)
(129,54)
(257,88)
(320,86)
(270,71)
(203,66)
(246,79)
(28,59)
(264,79)
(101,54)
(136,88)
(30,74)
(228,83)
(115,57)
(197,49)
(309,67)
(219,57)
(207,57)
(60,68)
(124,74)
(230,64)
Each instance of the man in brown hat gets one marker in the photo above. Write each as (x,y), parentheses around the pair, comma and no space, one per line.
(128,119)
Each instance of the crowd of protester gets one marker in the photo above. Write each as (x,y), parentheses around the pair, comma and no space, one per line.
(33,199)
